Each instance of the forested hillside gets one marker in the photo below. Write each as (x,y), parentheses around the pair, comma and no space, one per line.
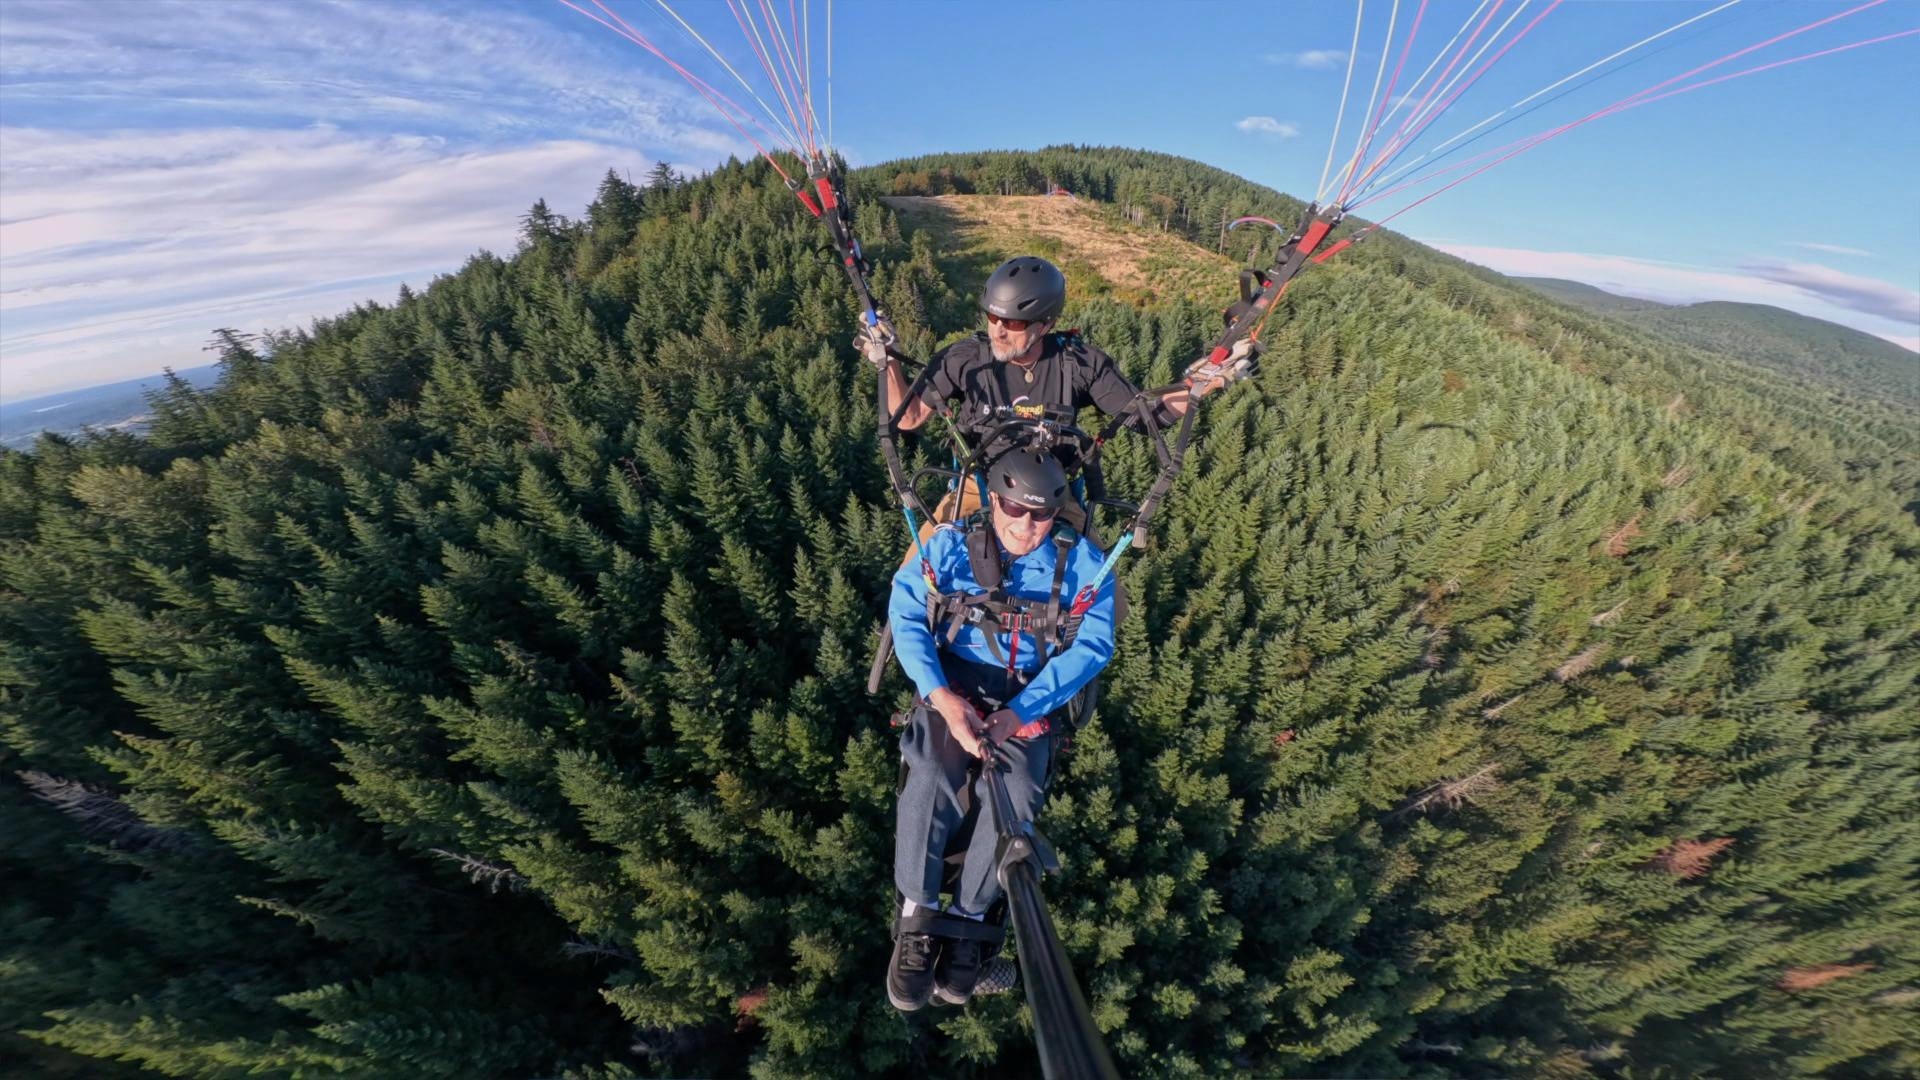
(1824,354)
(473,686)
(1581,295)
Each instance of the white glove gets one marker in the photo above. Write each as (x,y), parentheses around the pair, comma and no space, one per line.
(873,342)
(1204,377)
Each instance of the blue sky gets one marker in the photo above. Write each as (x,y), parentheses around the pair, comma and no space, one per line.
(171,167)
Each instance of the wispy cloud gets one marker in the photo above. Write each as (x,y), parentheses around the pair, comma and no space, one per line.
(487,73)
(1267,125)
(120,252)
(1867,295)
(1865,304)
(1309,59)
(264,167)
(1830,249)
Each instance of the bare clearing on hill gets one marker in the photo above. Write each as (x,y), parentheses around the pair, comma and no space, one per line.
(1100,252)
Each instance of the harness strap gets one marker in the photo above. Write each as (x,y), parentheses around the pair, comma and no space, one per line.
(996,612)
(941,924)
(1063,542)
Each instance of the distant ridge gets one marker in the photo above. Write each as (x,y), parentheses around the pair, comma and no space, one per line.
(1785,341)
(104,406)
(1588,297)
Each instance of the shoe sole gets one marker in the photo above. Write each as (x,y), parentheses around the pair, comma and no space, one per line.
(905,1004)
(997,977)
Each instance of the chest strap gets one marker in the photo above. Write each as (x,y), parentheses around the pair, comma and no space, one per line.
(997,612)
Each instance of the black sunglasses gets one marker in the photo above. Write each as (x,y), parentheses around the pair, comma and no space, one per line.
(1015,325)
(1015,511)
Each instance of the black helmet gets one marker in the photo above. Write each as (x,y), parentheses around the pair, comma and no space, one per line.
(1030,478)
(1028,288)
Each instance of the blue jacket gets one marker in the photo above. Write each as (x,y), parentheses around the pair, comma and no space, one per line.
(1031,577)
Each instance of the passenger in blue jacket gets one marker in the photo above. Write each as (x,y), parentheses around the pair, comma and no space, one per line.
(980,683)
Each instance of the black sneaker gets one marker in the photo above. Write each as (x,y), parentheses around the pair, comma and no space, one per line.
(910,977)
(959,969)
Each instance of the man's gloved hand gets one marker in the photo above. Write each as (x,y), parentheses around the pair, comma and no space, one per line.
(873,342)
(1204,378)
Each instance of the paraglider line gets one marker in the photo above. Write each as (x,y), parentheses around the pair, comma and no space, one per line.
(829,72)
(1394,144)
(751,31)
(1392,106)
(627,31)
(791,138)
(1366,139)
(1431,64)
(1639,97)
(1425,116)
(1429,120)
(794,79)
(1634,102)
(1340,115)
(1411,165)
(714,97)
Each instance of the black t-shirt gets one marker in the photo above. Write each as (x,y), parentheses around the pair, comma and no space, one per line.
(1070,374)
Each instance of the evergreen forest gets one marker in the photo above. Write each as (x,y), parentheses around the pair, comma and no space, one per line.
(474,685)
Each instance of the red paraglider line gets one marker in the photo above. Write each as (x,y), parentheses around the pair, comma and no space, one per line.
(1455,96)
(1394,144)
(783,52)
(1379,113)
(1635,101)
(714,97)
(750,31)
(1639,97)
(805,63)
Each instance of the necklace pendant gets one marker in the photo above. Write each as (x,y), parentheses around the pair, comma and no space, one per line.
(1029,376)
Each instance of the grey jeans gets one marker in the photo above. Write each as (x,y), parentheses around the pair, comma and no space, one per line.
(930,811)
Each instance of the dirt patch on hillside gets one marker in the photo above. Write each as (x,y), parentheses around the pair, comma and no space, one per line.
(1100,252)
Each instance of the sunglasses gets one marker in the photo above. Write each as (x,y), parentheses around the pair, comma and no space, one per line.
(1015,325)
(1016,511)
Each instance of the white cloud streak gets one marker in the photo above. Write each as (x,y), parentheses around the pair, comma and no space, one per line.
(1850,291)
(486,73)
(1865,304)
(117,276)
(264,165)
(1831,249)
(1267,125)
(1309,59)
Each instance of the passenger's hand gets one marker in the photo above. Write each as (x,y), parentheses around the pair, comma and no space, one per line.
(1001,726)
(963,720)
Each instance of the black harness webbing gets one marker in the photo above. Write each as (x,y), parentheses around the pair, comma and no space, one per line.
(997,612)
(941,924)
